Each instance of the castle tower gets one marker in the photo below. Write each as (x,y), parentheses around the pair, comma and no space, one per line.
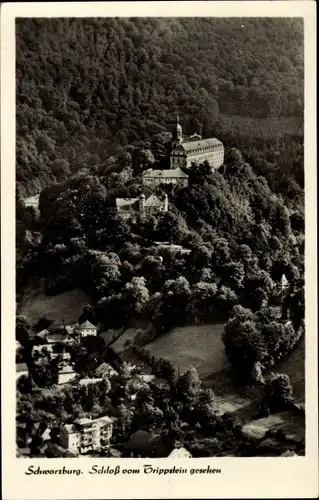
(142,203)
(166,203)
(177,134)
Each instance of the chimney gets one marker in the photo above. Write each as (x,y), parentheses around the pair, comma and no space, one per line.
(166,203)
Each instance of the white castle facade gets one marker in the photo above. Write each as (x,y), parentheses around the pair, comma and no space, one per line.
(184,154)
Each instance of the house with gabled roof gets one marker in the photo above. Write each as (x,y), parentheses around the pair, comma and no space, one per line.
(155,178)
(147,203)
(86,329)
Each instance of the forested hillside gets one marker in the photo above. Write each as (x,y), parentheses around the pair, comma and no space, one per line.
(87,89)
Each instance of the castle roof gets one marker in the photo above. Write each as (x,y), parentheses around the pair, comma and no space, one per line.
(195,146)
(174,173)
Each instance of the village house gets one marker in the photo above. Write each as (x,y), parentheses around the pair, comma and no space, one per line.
(65,374)
(153,178)
(52,338)
(86,329)
(105,370)
(86,435)
(184,154)
(147,203)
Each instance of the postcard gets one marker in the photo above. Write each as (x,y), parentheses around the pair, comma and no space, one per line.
(159,272)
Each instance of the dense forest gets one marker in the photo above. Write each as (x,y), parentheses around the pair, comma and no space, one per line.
(88,89)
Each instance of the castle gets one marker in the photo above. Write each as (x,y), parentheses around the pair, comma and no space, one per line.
(197,150)
(182,155)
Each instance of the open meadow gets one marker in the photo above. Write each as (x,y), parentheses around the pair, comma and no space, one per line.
(65,306)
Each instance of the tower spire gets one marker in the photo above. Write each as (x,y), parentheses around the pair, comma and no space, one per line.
(177,134)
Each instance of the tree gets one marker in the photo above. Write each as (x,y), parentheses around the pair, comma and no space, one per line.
(203,302)
(135,295)
(188,385)
(88,314)
(23,329)
(278,391)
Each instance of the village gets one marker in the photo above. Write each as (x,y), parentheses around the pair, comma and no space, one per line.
(55,346)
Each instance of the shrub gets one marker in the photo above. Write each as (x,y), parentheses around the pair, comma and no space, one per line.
(259,337)
(278,391)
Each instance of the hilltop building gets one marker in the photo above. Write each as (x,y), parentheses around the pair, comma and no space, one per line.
(85,435)
(183,154)
(154,178)
(146,203)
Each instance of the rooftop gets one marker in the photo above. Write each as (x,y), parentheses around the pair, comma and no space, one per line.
(105,369)
(127,203)
(180,453)
(202,144)
(88,381)
(87,324)
(66,369)
(174,173)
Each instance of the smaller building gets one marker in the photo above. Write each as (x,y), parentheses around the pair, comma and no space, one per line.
(86,435)
(86,329)
(172,247)
(65,374)
(147,203)
(176,176)
(105,370)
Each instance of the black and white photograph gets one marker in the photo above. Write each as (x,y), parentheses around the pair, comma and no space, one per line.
(159,239)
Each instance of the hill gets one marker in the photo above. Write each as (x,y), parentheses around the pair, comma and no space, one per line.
(87,88)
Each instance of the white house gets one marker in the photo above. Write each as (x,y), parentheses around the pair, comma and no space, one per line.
(86,329)
(85,435)
(66,374)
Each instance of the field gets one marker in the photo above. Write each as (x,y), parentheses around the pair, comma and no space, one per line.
(67,306)
(202,347)
(198,346)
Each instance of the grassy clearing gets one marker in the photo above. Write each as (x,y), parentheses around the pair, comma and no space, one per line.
(67,305)
(198,346)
